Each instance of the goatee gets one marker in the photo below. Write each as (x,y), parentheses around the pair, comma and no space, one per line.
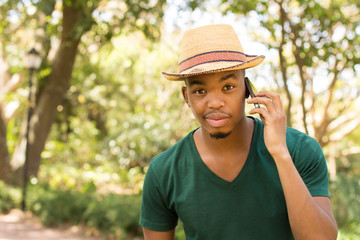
(220,135)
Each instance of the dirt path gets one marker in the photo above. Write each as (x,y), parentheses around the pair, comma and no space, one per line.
(20,226)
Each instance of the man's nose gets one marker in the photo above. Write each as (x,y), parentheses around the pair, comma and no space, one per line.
(215,100)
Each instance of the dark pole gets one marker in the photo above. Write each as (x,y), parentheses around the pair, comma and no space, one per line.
(23,202)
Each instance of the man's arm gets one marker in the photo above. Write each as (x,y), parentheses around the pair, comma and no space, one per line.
(309,217)
(155,235)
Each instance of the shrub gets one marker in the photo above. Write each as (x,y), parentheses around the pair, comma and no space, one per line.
(113,212)
(345,192)
(114,215)
(56,206)
(10,197)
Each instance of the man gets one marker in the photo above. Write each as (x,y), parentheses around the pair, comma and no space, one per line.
(235,177)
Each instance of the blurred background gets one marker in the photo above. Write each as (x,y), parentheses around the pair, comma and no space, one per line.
(84,108)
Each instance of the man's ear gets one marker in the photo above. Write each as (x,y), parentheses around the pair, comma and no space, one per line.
(184,93)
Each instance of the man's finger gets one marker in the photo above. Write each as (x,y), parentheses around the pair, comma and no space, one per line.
(274,97)
(264,114)
(267,102)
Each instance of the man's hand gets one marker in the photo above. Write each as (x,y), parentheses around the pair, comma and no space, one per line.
(309,217)
(274,120)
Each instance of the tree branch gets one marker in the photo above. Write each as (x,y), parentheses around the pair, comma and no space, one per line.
(301,66)
(283,64)
(57,83)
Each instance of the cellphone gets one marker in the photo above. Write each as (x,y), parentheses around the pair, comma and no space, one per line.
(251,92)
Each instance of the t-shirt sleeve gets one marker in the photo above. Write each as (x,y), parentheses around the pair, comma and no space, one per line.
(155,213)
(311,164)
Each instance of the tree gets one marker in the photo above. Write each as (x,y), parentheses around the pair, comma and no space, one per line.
(318,65)
(60,26)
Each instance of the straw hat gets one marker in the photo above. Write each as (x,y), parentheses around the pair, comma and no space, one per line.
(211,49)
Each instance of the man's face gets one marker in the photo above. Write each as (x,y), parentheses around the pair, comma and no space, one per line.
(217,101)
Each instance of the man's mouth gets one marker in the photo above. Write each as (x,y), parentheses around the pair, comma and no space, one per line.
(217,122)
(217,119)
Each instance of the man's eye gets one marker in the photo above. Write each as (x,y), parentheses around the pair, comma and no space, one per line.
(228,87)
(199,91)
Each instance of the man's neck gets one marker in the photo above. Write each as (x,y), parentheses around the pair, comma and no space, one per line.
(239,139)
(226,157)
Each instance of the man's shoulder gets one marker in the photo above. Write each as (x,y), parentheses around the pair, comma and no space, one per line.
(296,138)
(174,160)
(303,147)
(175,152)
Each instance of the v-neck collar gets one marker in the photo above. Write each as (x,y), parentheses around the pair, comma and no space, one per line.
(206,170)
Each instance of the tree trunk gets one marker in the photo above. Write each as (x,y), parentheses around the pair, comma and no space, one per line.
(4,153)
(283,64)
(57,84)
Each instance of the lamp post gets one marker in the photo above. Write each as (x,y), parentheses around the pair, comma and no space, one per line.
(32,61)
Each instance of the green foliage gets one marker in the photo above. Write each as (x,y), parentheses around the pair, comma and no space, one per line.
(318,42)
(45,24)
(345,193)
(55,206)
(349,232)
(111,212)
(114,215)
(179,232)
(9,197)
(241,6)
(106,177)
(120,112)
(345,200)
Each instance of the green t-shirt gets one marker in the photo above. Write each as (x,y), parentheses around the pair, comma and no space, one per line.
(178,184)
